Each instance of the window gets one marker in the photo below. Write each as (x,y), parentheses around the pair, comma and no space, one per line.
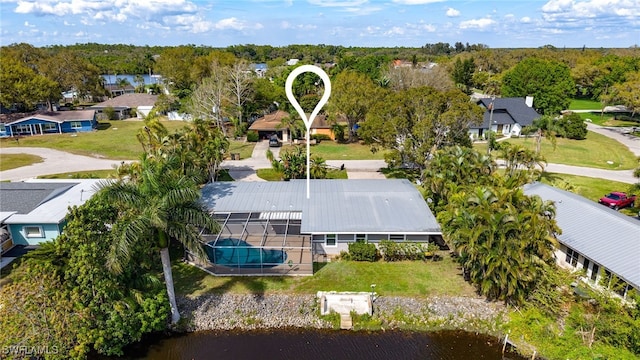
(49,127)
(330,240)
(572,257)
(33,232)
(396,237)
(23,129)
(3,128)
(76,125)
(594,272)
(361,237)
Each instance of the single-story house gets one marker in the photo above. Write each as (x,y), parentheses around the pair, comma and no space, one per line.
(272,124)
(51,122)
(118,90)
(123,104)
(288,232)
(34,211)
(595,239)
(504,116)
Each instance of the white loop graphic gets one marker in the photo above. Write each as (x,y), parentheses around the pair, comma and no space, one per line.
(288,88)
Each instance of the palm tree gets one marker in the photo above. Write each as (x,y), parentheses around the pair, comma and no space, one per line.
(163,205)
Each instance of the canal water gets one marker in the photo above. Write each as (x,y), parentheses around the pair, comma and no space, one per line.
(322,345)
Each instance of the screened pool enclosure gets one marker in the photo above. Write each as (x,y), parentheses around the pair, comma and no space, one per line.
(257,243)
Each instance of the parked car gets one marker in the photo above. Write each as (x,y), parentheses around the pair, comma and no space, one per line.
(274,141)
(617,200)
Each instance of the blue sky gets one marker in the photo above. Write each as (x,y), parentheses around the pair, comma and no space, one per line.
(389,23)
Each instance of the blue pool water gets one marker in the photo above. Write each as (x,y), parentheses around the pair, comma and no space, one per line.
(237,253)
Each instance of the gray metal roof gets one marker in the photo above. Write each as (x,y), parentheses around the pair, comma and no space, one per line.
(22,197)
(601,234)
(334,206)
(55,197)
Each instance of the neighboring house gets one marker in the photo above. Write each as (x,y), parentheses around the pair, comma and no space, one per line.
(34,211)
(270,218)
(599,241)
(272,124)
(123,104)
(260,69)
(117,90)
(504,116)
(51,122)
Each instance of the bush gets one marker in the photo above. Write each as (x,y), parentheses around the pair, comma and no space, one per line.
(320,137)
(362,251)
(572,127)
(393,251)
(252,136)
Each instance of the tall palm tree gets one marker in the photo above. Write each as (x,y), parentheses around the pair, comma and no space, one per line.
(163,205)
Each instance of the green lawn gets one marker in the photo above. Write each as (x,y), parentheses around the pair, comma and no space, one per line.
(12,161)
(585,104)
(89,174)
(271,175)
(609,119)
(330,150)
(244,148)
(113,140)
(408,278)
(593,152)
(590,188)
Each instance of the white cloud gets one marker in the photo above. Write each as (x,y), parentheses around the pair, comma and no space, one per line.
(396,30)
(337,3)
(230,23)
(26,23)
(451,12)
(575,9)
(525,20)
(479,24)
(416,2)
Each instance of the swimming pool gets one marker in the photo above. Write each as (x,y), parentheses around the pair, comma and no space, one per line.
(238,253)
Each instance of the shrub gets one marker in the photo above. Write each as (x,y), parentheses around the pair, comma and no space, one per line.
(320,137)
(362,251)
(252,136)
(393,251)
(572,127)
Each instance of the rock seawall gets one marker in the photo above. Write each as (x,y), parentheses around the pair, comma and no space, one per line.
(247,312)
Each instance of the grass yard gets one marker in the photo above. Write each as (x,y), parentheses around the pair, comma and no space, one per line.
(12,161)
(244,148)
(330,150)
(90,174)
(271,175)
(590,188)
(609,119)
(408,278)
(113,140)
(592,152)
(585,104)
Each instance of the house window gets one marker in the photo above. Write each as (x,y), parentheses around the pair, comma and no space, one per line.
(33,232)
(572,257)
(3,128)
(594,272)
(76,125)
(396,237)
(361,237)
(330,240)
(23,129)
(585,265)
(49,127)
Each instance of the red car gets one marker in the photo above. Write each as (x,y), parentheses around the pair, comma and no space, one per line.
(617,200)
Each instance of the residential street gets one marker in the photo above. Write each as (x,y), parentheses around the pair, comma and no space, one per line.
(56,161)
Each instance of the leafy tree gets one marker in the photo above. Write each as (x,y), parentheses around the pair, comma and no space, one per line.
(549,82)
(503,238)
(518,157)
(627,93)
(463,72)
(63,296)
(293,164)
(415,123)
(352,96)
(20,84)
(571,126)
(161,206)
(175,66)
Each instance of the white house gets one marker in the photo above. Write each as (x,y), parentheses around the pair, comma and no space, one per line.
(504,116)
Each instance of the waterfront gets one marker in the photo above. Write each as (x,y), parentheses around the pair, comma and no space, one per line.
(322,344)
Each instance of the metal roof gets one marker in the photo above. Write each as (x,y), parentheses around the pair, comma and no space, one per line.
(334,206)
(53,199)
(601,234)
